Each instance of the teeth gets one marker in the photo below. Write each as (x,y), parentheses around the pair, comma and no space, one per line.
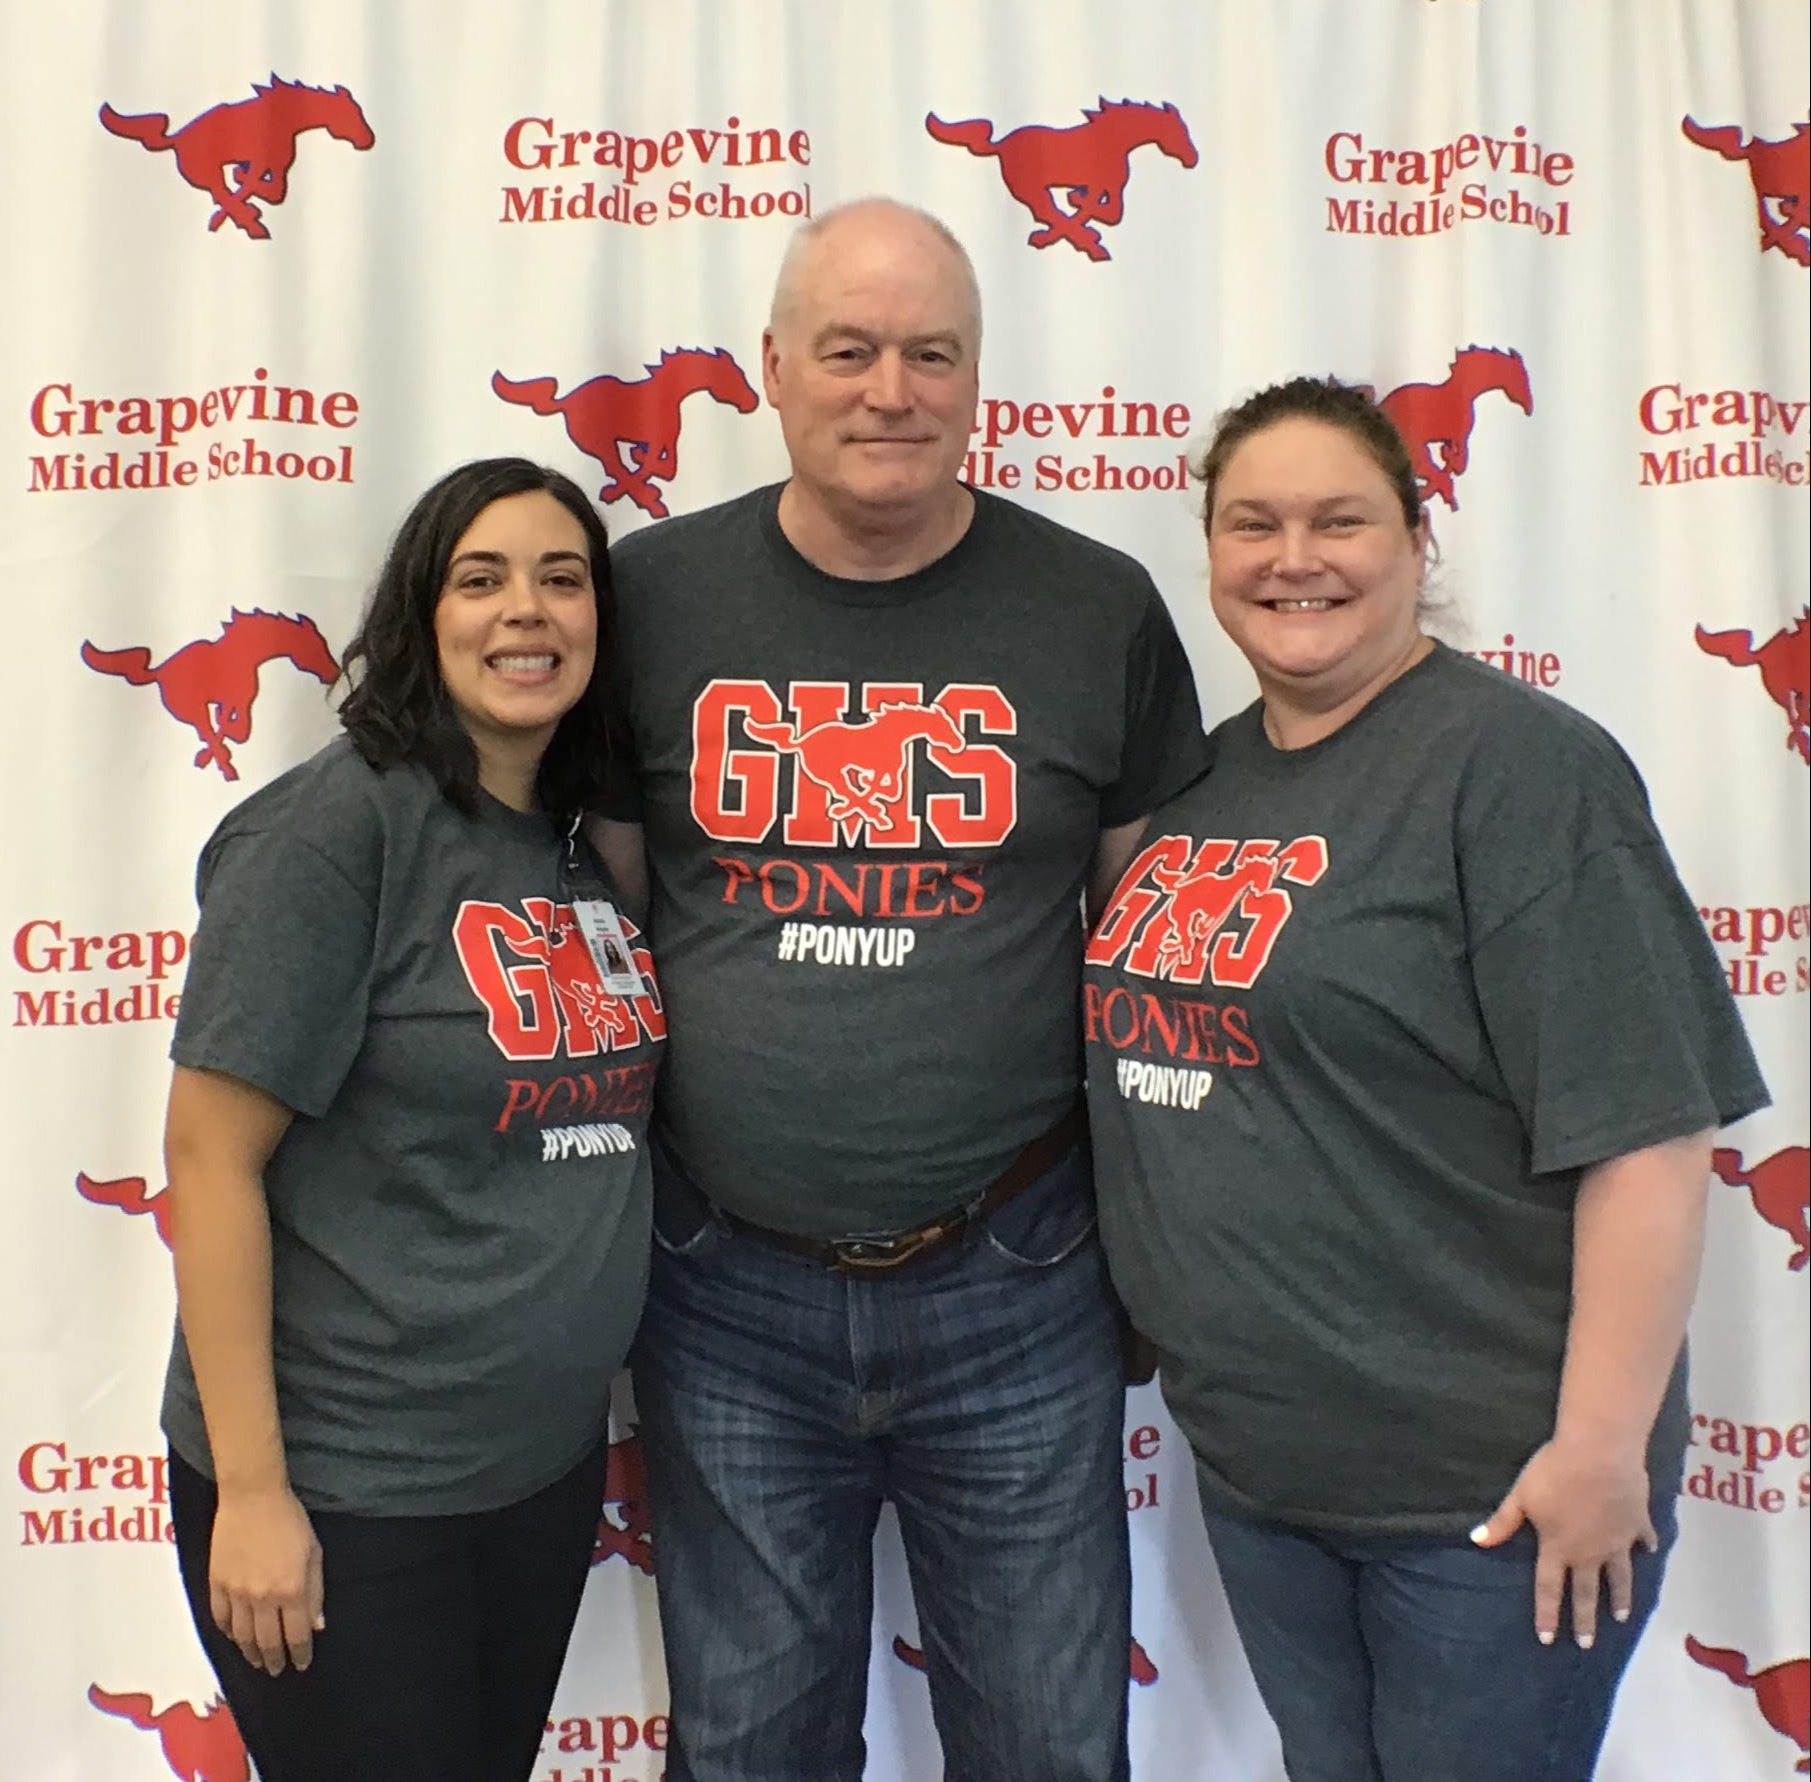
(522,664)
(1301,606)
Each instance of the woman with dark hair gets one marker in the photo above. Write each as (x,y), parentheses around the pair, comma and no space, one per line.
(407,1169)
(1406,1045)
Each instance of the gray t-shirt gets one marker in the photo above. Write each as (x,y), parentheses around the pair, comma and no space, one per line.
(459,1212)
(1357,1017)
(870,810)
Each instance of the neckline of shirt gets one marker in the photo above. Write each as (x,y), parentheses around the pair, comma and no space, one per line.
(1265,753)
(900,590)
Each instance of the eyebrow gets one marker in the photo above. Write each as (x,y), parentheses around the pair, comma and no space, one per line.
(1326,501)
(497,557)
(849,331)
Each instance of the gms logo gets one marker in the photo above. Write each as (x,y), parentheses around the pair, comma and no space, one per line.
(127,1193)
(604,414)
(240,154)
(1176,926)
(133,1489)
(1745,419)
(626,1492)
(210,685)
(1432,171)
(534,975)
(1780,1188)
(1089,162)
(1782,1692)
(199,1744)
(1785,664)
(853,779)
(43,949)
(1440,415)
(1781,173)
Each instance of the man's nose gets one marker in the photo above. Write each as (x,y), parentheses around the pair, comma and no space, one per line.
(889,387)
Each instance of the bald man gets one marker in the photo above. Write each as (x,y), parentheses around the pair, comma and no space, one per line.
(889,730)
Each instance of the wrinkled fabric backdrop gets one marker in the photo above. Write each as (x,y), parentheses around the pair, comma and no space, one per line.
(1569,238)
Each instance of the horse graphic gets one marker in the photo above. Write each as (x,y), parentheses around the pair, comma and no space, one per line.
(210,685)
(1781,175)
(605,414)
(128,1194)
(1785,664)
(1140,1668)
(1782,1692)
(199,1745)
(863,765)
(240,154)
(1430,415)
(1090,162)
(1780,1187)
(626,1492)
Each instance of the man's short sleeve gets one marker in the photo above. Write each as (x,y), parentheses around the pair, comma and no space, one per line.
(1608,1013)
(1164,748)
(279,980)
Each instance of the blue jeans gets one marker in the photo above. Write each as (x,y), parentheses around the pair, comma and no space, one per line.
(980,1391)
(1404,1660)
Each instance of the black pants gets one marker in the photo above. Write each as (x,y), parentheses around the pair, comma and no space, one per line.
(444,1641)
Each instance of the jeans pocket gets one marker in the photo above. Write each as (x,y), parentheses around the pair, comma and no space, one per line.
(684,1221)
(1052,1219)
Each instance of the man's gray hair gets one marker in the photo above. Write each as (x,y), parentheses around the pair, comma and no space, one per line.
(798,251)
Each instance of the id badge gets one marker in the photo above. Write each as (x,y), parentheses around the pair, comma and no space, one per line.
(602,928)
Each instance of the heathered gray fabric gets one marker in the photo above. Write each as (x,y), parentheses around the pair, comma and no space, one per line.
(835,1098)
(1355,1253)
(449,1308)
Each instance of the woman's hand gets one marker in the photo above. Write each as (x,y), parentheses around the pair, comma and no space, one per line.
(1589,1509)
(264,1578)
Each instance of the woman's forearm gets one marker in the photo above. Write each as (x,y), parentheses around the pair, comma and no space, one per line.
(1638,1234)
(219,1135)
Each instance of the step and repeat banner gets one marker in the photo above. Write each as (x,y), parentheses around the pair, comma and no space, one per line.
(272,269)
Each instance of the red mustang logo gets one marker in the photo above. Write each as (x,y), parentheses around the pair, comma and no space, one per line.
(1781,172)
(210,685)
(1142,1671)
(863,765)
(1780,1187)
(199,1745)
(1785,664)
(605,414)
(1782,1692)
(1430,416)
(1089,162)
(241,154)
(625,1492)
(128,1194)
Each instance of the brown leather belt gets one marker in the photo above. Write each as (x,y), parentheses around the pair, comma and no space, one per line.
(876,1255)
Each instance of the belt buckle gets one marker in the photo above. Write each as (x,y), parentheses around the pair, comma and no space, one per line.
(877,1255)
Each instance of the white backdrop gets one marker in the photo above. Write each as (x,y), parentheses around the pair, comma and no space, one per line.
(1555,208)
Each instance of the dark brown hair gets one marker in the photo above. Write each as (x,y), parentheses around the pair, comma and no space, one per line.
(398,708)
(1350,407)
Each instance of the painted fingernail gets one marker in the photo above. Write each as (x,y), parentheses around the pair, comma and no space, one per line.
(1586,1642)
(1481,1532)
(1621,1614)
(1544,1635)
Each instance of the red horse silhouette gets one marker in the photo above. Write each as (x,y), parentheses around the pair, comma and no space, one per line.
(1142,1671)
(863,765)
(1781,172)
(210,685)
(200,1745)
(626,1491)
(241,154)
(1780,1187)
(1782,1692)
(1091,162)
(590,1008)
(128,1194)
(606,413)
(1429,415)
(1785,664)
